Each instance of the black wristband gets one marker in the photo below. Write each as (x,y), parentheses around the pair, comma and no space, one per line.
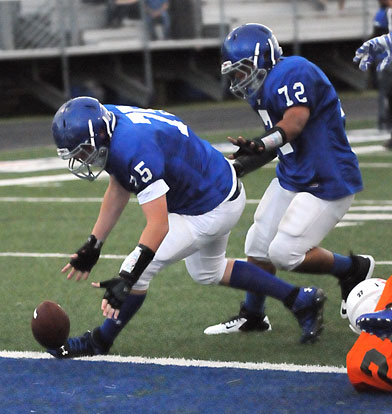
(146,255)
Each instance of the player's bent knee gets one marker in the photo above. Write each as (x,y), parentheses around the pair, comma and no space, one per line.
(283,257)
(206,278)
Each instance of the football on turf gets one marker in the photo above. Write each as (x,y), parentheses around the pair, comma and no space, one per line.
(50,325)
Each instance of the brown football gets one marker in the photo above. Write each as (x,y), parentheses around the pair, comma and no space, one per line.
(50,325)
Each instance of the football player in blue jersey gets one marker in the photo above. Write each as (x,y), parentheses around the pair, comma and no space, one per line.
(191,199)
(317,172)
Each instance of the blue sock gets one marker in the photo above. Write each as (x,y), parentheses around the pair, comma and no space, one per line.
(341,265)
(112,327)
(249,277)
(255,303)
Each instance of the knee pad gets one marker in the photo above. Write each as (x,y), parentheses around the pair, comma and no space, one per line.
(205,276)
(283,255)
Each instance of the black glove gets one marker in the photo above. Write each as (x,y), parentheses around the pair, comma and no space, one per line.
(88,255)
(117,290)
(244,149)
(269,141)
(244,164)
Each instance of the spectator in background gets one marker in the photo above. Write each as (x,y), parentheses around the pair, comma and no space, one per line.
(341,4)
(320,4)
(380,20)
(117,10)
(157,12)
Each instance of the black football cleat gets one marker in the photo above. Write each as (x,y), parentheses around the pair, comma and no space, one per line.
(361,269)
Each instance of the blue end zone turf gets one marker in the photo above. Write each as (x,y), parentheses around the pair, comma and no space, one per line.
(98,387)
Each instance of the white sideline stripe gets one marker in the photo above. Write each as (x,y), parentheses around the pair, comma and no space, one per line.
(257,366)
(372,202)
(367,217)
(55,163)
(72,200)
(371,208)
(36,164)
(53,199)
(43,179)
(368,149)
(360,205)
(104,256)
(55,255)
(374,165)
(37,180)
(366,135)
(349,217)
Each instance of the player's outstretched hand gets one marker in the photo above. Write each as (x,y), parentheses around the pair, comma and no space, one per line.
(117,289)
(84,259)
(377,49)
(73,271)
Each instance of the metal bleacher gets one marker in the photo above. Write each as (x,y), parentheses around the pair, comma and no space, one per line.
(37,30)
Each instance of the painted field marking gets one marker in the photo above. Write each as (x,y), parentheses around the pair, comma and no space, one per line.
(257,366)
(39,255)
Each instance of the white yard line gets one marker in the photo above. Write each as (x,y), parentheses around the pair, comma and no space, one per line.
(38,255)
(54,255)
(257,366)
(358,205)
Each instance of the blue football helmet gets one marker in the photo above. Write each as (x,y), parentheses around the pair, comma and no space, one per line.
(82,129)
(249,52)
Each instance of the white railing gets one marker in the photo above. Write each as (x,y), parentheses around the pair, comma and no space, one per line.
(46,24)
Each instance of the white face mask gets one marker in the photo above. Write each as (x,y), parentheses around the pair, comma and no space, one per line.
(246,78)
(85,161)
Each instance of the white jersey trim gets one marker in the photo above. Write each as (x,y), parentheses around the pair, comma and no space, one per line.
(234,182)
(153,191)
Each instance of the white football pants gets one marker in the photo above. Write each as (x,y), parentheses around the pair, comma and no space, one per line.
(288,224)
(200,240)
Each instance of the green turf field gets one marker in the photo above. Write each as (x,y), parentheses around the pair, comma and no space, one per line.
(36,219)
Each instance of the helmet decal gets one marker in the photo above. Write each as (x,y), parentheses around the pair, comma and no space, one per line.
(91,130)
(256,55)
(272,52)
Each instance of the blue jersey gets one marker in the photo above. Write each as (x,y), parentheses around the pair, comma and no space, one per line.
(150,146)
(319,160)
